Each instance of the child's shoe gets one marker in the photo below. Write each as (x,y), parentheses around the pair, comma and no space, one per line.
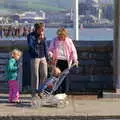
(18,101)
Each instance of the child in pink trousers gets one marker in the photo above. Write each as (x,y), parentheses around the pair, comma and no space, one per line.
(12,73)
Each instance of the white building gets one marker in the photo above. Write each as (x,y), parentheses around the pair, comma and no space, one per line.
(96,1)
(33,15)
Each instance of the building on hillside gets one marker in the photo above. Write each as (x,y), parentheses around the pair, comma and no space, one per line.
(101,1)
(29,17)
(89,7)
(58,17)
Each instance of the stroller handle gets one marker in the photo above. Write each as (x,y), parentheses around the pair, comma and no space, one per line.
(73,65)
(66,71)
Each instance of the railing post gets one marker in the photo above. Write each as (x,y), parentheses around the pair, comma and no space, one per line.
(75,20)
(116,46)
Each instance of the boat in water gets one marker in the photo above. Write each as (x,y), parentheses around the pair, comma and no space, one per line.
(81,27)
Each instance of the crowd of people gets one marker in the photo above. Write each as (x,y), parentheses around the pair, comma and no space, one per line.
(61,51)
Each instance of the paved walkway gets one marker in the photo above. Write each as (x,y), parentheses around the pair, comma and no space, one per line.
(86,106)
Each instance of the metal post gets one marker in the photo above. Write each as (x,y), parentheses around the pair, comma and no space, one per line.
(116,47)
(75,20)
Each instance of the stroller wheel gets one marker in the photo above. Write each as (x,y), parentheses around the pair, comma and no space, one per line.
(36,103)
(61,104)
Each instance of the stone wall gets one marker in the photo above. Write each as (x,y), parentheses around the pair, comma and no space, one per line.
(95,71)
(95,64)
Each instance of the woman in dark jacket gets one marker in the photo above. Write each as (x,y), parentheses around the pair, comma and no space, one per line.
(39,55)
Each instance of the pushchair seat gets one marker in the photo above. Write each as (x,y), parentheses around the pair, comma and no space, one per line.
(47,95)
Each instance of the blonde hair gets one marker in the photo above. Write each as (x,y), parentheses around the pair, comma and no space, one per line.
(56,71)
(62,31)
(15,51)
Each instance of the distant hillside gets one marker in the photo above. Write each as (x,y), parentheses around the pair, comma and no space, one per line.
(47,5)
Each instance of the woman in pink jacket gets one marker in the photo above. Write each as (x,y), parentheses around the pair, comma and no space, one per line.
(62,50)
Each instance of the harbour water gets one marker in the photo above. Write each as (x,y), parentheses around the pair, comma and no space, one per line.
(91,34)
(85,34)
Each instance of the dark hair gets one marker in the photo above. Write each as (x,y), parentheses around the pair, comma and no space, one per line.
(38,25)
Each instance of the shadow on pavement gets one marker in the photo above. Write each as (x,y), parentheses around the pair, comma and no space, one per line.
(20,105)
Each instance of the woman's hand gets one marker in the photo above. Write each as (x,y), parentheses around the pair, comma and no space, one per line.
(76,63)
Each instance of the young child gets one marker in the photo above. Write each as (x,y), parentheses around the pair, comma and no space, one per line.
(12,73)
(51,80)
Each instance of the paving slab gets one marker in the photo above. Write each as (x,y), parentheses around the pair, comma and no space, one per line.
(79,107)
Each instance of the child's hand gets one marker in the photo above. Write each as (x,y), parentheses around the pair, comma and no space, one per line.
(49,86)
(20,65)
(50,54)
(51,62)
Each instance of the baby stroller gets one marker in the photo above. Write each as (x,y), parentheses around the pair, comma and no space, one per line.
(47,95)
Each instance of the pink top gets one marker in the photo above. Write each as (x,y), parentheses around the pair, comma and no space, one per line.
(69,49)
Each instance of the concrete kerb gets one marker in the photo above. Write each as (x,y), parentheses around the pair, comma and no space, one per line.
(80,108)
(60,118)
